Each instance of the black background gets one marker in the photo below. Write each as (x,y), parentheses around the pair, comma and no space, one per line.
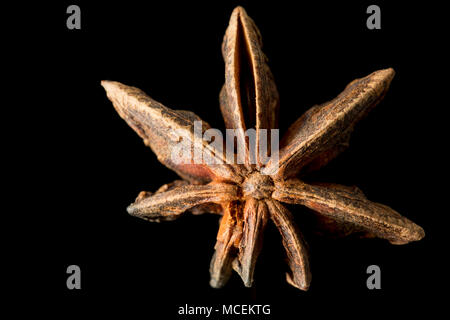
(92,165)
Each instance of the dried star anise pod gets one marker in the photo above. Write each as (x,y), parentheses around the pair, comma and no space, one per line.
(247,195)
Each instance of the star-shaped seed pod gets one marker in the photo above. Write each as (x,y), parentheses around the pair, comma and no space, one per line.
(249,193)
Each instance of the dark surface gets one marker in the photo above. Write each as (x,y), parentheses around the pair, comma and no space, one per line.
(95,165)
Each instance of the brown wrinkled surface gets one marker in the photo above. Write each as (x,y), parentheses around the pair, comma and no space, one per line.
(297,255)
(249,98)
(323,131)
(161,128)
(350,206)
(248,195)
(254,221)
(175,201)
(228,239)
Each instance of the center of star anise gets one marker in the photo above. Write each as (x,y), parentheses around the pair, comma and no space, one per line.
(257,186)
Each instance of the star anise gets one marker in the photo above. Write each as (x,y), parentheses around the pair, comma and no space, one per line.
(247,195)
